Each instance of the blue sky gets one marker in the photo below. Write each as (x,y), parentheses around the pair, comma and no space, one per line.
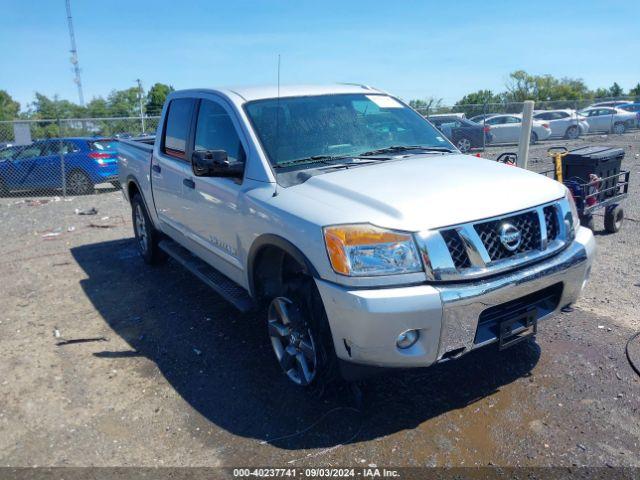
(414,49)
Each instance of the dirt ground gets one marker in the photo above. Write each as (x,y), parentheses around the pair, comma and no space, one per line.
(109,362)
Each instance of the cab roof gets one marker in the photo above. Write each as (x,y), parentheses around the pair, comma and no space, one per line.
(248,94)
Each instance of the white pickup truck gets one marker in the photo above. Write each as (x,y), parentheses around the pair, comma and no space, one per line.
(361,236)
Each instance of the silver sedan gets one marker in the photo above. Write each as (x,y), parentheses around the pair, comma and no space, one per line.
(563,123)
(608,119)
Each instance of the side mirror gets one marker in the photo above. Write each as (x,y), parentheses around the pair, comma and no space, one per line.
(215,163)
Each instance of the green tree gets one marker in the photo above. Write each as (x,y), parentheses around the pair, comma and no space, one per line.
(124,103)
(615,90)
(635,91)
(9,108)
(156,97)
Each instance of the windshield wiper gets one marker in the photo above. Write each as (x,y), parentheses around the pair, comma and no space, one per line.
(404,148)
(312,159)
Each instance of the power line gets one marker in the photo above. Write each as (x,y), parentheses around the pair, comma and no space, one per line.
(74,55)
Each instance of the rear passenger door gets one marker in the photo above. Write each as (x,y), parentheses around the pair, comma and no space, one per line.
(170,167)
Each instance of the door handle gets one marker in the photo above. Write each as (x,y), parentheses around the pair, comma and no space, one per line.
(187,182)
(156,168)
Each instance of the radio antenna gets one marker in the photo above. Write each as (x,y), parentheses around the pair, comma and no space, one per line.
(275,193)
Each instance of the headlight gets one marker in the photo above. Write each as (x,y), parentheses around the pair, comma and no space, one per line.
(362,250)
(572,221)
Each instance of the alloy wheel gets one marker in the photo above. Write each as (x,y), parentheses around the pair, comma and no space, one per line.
(292,341)
(78,183)
(141,230)
(464,145)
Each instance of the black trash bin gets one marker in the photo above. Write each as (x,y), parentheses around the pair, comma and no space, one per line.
(601,161)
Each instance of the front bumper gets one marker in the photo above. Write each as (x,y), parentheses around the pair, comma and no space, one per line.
(366,323)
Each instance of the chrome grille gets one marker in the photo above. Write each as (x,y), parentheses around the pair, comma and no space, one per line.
(456,248)
(551,219)
(529,227)
(473,250)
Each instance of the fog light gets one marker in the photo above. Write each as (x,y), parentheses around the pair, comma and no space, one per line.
(407,339)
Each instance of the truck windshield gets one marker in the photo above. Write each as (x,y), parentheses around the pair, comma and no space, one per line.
(299,128)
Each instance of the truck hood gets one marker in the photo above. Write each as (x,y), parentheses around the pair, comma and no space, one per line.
(424,191)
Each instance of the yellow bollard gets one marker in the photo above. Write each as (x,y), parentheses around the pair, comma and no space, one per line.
(557,153)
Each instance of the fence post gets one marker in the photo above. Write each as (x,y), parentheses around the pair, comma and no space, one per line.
(62,167)
(525,134)
(484,125)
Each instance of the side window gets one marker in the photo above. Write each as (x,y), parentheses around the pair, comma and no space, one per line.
(177,127)
(512,120)
(215,131)
(560,115)
(29,151)
(543,116)
(494,121)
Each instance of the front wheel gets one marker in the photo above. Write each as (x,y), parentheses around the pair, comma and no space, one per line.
(613,218)
(300,335)
(534,138)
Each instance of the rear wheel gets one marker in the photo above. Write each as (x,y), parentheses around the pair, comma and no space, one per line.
(464,145)
(613,218)
(300,334)
(619,128)
(147,237)
(78,183)
(534,138)
(572,133)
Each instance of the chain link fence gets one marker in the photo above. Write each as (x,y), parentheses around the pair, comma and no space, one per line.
(75,156)
(477,126)
(78,156)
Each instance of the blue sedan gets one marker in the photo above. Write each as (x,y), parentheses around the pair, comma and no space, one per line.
(42,165)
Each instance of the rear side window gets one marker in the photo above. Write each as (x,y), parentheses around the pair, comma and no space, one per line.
(177,127)
(215,131)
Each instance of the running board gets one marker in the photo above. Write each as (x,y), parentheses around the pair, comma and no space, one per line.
(222,285)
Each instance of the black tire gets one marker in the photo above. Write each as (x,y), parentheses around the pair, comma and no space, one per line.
(534,138)
(613,218)
(79,183)
(147,237)
(307,325)
(463,144)
(587,221)
(619,128)
(4,191)
(572,132)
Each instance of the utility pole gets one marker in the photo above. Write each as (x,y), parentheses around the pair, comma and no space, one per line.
(141,106)
(74,55)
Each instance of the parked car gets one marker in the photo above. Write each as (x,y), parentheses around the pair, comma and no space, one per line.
(563,123)
(634,108)
(506,128)
(484,116)
(609,119)
(464,134)
(365,241)
(86,161)
(610,103)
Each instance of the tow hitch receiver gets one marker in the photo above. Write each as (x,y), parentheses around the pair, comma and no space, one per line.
(517,329)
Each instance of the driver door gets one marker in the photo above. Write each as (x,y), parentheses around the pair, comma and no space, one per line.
(214,203)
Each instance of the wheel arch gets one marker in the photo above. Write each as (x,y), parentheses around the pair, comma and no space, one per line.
(259,262)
